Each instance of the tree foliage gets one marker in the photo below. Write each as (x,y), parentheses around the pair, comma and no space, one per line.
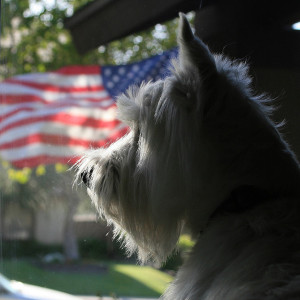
(34,39)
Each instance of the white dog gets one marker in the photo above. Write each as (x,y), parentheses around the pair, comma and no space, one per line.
(202,152)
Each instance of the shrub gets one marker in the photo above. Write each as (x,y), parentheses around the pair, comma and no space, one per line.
(26,248)
(185,244)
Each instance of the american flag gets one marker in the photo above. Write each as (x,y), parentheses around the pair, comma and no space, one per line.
(54,117)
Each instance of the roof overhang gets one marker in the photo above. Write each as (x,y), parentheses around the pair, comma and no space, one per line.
(103,21)
(259,29)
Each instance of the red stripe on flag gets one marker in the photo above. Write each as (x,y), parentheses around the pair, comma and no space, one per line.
(11,113)
(45,139)
(17,99)
(64,118)
(77,70)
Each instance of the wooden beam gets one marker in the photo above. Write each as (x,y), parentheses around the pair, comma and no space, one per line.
(103,21)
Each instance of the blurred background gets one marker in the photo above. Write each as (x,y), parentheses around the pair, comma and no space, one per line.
(61,64)
(50,235)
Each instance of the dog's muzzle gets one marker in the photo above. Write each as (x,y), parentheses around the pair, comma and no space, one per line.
(86,176)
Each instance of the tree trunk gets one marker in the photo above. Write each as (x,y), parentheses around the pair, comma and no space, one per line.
(1,224)
(70,244)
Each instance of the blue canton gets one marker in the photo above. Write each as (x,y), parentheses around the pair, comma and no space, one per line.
(116,79)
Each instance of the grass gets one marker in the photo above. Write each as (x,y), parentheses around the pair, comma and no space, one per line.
(119,280)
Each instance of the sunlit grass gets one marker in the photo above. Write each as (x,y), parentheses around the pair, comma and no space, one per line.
(120,279)
(157,282)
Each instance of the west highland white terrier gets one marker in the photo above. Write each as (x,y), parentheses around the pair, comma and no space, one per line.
(203,153)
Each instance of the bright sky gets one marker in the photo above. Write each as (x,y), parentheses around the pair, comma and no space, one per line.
(296,26)
(36,7)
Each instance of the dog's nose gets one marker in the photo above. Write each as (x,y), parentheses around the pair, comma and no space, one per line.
(86,177)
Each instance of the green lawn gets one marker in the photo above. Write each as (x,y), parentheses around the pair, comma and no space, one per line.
(119,280)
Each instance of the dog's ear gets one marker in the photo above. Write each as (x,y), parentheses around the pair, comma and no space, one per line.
(192,51)
(195,67)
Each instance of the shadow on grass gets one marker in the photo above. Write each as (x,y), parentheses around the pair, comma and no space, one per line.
(118,279)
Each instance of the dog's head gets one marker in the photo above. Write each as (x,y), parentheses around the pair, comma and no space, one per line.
(195,137)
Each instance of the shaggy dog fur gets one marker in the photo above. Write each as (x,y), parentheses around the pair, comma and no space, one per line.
(203,152)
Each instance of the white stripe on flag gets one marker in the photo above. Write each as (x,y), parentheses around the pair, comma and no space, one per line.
(13,89)
(61,80)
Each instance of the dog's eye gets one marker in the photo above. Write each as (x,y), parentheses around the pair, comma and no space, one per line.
(180,90)
(182,96)
(147,100)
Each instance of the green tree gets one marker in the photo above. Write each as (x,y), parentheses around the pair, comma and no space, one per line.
(33,39)
(36,189)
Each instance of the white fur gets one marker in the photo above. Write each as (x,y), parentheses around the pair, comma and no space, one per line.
(197,139)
